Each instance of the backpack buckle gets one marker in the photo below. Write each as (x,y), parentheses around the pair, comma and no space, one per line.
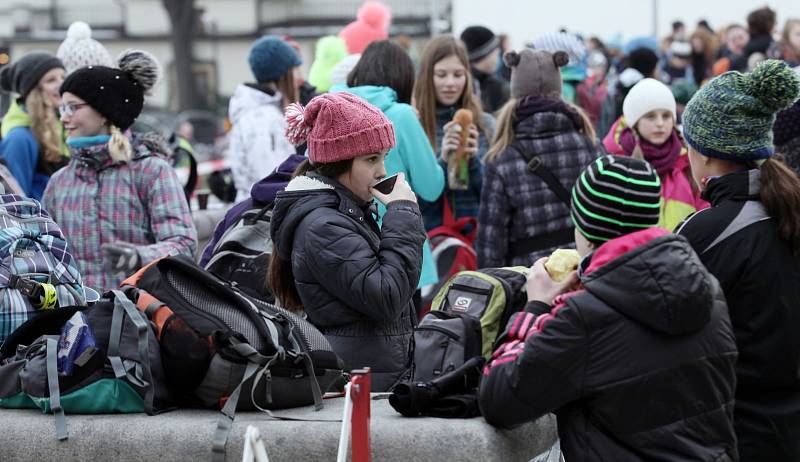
(27,287)
(534,164)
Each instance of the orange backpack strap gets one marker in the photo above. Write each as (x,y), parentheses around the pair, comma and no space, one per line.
(133,280)
(153,308)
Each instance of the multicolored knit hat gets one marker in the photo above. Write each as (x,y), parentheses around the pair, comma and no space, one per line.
(338,126)
(615,196)
(731,117)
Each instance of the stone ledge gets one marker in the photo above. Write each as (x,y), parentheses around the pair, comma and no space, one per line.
(186,435)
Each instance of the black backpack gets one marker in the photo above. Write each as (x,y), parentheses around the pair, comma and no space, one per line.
(243,253)
(467,315)
(223,349)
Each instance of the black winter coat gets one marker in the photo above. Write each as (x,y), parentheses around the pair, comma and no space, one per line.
(761,280)
(493,90)
(356,282)
(637,366)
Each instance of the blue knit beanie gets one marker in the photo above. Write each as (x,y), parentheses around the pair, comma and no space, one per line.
(270,58)
(731,117)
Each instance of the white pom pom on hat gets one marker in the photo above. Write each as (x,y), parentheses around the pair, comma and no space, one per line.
(79,30)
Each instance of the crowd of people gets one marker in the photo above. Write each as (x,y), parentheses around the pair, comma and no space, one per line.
(670,166)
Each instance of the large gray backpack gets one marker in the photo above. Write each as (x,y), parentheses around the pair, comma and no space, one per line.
(243,253)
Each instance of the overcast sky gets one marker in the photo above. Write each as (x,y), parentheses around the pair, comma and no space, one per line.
(525,19)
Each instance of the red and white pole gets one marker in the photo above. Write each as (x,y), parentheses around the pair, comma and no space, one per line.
(360,394)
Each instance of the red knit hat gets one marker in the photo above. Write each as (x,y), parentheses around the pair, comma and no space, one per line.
(338,126)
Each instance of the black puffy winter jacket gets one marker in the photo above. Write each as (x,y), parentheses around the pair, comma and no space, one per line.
(740,245)
(356,282)
(638,365)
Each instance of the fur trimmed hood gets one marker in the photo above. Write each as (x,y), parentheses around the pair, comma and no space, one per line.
(306,183)
(304,195)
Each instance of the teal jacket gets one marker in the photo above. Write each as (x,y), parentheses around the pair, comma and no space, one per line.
(412,155)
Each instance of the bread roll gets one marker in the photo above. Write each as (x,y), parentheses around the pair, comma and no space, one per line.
(463,117)
(561,263)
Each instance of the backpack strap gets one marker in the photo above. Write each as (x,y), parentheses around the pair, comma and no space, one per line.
(265,212)
(448,217)
(123,306)
(55,392)
(549,240)
(225,422)
(257,368)
(537,167)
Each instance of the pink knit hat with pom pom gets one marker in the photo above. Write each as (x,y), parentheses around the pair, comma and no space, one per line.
(371,24)
(338,126)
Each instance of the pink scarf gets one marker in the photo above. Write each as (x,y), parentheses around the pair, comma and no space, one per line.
(662,158)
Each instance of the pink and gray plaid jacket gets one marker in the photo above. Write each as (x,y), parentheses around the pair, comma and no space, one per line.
(96,201)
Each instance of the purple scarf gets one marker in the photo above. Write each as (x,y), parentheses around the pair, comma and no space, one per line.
(662,158)
(531,105)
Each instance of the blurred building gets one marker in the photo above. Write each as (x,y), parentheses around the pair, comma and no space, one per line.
(225,30)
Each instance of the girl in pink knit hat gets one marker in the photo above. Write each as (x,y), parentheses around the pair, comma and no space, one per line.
(354,281)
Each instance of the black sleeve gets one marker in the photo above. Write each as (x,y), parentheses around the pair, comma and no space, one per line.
(538,368)
(537,307)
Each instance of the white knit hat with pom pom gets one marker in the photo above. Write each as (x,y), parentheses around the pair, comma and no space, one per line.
(79,49)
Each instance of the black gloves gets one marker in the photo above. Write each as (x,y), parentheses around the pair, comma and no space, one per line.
(120,257)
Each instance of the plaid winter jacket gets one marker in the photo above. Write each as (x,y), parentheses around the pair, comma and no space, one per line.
(515,203)
(97,201)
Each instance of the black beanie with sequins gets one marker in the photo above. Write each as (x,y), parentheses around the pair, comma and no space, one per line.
(117,94)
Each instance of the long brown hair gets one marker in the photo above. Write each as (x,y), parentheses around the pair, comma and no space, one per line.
(710,44)
(44,124)
(780,194)
(504,132)
(288,88)
(436,50)
(280,275)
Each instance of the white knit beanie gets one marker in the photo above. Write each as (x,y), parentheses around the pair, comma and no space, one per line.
(647,95)
(79,49)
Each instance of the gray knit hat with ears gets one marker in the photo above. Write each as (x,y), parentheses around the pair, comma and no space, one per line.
(535,72)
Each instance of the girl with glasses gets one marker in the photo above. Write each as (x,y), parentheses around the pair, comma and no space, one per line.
(118,202)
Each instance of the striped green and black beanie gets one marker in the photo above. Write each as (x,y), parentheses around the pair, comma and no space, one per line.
(614,196)
(731,117)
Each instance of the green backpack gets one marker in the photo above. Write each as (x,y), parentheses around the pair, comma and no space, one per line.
(467,315)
